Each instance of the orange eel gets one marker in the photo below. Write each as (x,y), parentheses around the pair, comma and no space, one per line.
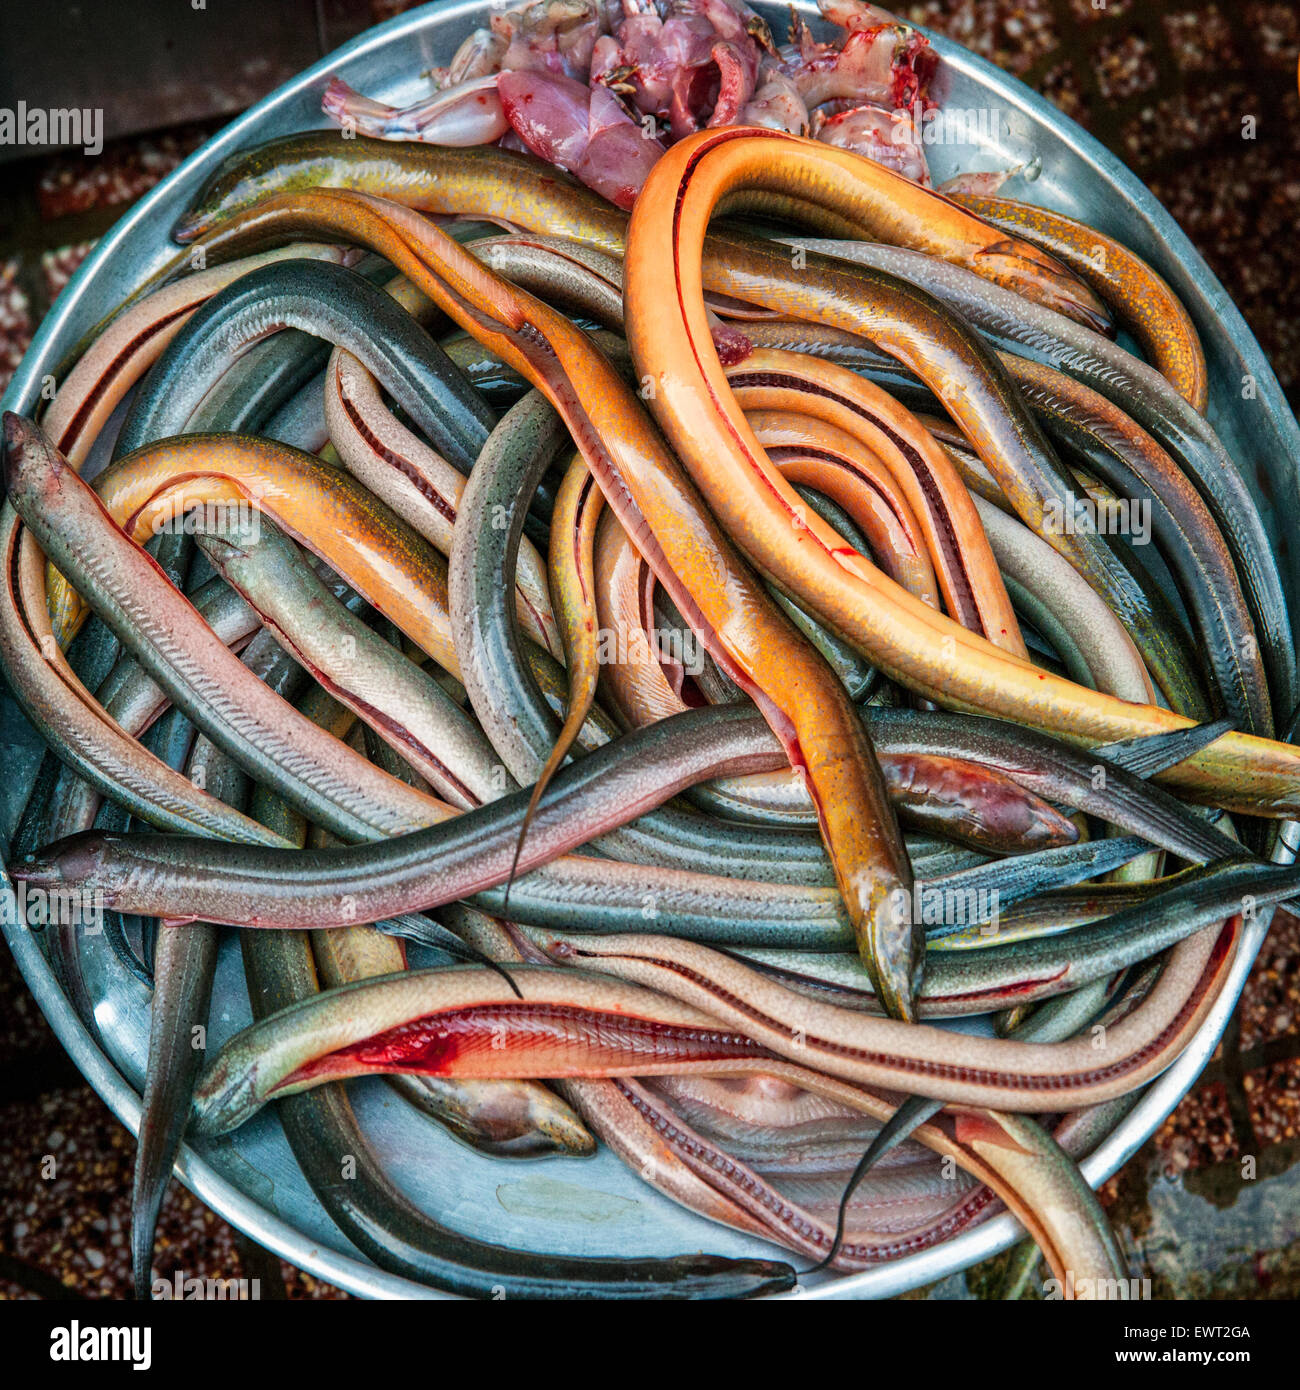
(583,567)
(968,574)
(743,628)
(1145,305)
(384,559)
(688,391)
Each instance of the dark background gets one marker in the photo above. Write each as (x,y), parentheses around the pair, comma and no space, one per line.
(1163,83)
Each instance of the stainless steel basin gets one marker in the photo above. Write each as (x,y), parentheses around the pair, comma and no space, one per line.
(597,1205)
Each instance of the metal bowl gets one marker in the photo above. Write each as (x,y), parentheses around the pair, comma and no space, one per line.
(596,1205)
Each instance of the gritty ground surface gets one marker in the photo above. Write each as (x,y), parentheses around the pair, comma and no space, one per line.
(1200,99)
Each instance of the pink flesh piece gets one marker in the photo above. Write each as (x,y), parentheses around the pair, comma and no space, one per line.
(887,137)
(731,345)
(469,114)
(979,185)
(548,113)
(618,162)
(585,131)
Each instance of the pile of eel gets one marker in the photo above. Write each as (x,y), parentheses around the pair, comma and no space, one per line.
(720,642)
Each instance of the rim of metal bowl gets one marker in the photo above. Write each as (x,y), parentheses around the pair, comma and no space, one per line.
(77,304)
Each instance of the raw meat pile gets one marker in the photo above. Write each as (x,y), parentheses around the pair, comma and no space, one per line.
(601,87)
